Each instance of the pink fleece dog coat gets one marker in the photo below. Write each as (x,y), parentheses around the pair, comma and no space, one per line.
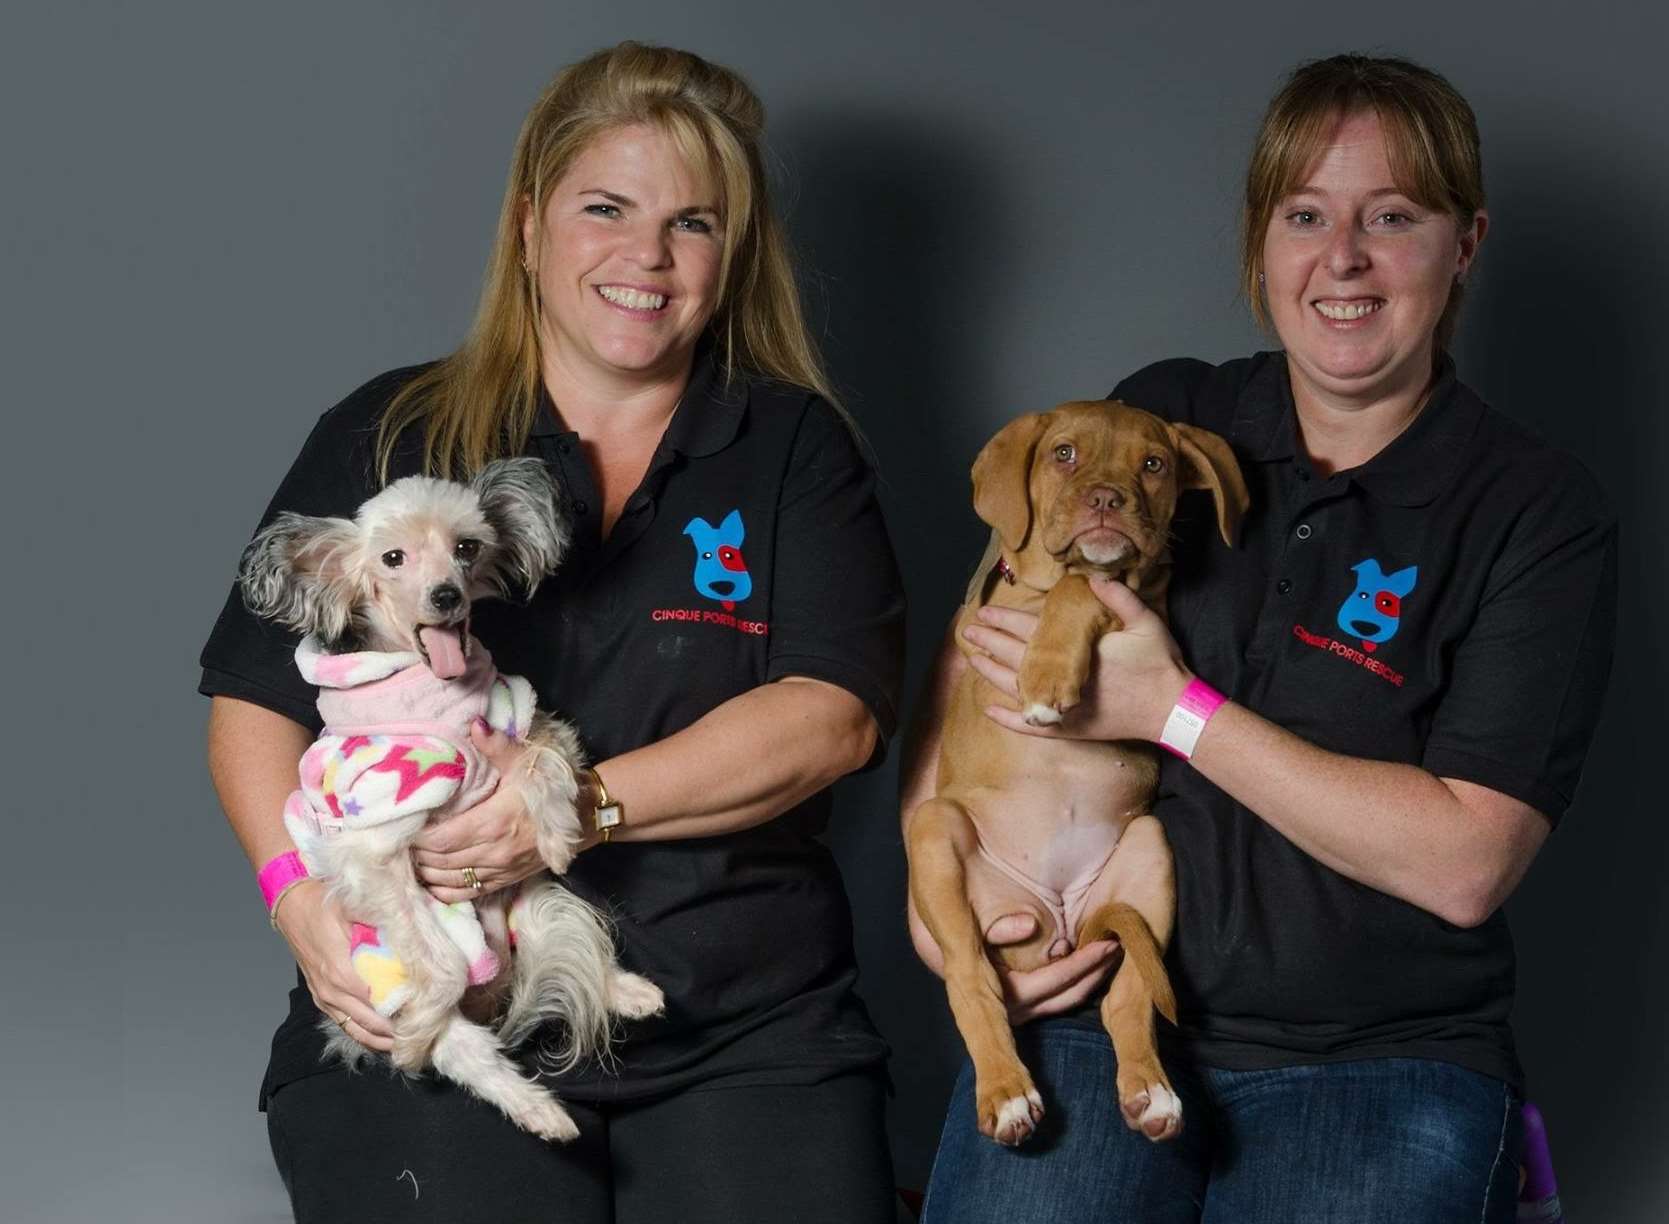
(396,742)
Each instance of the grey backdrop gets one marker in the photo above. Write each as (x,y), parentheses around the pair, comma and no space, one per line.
(219,218)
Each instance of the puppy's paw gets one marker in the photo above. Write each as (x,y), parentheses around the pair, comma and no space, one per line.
(1010,1110)
(1039,715)
(634,996)
(557,856)
(410,1054)
(1151,1108)
(1017,1118)
(557,832)
(548,1120)
(1049,687)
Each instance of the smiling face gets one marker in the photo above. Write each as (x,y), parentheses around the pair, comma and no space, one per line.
(1357,273)
(629,249)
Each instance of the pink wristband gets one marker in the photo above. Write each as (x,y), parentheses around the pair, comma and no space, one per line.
(280,872)
(1199,701)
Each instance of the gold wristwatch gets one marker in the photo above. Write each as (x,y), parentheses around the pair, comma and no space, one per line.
(606,814)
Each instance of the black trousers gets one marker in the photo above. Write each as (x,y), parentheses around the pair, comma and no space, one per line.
(371,1147)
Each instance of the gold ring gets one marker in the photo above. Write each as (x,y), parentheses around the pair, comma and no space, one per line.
(469,878)
(342,1023)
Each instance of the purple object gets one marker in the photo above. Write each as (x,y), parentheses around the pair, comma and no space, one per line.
(1538,1201)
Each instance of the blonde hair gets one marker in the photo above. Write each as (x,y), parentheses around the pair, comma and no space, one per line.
(481,402)
(1431,142)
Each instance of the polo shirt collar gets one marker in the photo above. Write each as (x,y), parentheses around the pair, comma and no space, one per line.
(1424,459)
(710,413)
(1412,470)
(1265,427)
(707,419)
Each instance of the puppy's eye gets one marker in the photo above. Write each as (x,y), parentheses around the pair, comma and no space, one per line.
(1153,463)
(1065,453)
(467,550)
(394,558)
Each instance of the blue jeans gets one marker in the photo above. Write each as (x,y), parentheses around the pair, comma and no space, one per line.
(1377,1141)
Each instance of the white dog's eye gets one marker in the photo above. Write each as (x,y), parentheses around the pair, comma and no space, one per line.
(467,550)
(394,558)
(1066,452)
(1154,463)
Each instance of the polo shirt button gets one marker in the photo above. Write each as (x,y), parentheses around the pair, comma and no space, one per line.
(565,446)
(1284,586)
(1303,532)
(580,507)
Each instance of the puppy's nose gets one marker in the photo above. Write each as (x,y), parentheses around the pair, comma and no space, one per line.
(1104,497)
(445,597)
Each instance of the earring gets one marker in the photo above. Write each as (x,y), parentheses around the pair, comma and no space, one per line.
(1260,278)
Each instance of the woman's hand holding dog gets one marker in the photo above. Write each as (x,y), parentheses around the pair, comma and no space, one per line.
(1137,677)
(1061,986)
(252,757)
(494,839)
(318,934)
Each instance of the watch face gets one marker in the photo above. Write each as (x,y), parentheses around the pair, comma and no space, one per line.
(608,816)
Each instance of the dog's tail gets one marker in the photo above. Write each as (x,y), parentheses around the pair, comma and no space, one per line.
(563,963)
(1140,950)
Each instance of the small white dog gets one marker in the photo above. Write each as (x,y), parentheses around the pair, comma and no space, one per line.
(384,599)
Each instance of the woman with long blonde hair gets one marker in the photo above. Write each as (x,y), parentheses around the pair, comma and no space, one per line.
(725,633)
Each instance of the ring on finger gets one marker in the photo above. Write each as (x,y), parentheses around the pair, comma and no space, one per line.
(469,879)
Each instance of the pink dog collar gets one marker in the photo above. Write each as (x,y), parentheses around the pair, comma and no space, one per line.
(1199,701)
(281,873)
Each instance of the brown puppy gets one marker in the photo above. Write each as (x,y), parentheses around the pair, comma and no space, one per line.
(1060,828)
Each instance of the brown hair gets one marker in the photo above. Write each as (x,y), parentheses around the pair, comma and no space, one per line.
(481,402)
(1431,142)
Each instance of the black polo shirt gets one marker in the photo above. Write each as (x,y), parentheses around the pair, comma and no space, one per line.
(1449,604)
(637,637)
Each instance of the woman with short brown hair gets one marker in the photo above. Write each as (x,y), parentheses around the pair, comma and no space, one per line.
(1400,667)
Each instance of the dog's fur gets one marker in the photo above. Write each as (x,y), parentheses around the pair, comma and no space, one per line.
(332,578)
(1086,489)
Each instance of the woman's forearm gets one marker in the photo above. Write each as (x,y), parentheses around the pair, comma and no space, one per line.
(1451,847)
(253,754)
(741,764)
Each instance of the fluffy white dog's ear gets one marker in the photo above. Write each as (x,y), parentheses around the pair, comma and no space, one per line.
(518,499)
(303,571)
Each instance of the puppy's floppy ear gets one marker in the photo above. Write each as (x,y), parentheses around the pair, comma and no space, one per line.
(518,499)
(1207,462)
(1002,478)
(303,571)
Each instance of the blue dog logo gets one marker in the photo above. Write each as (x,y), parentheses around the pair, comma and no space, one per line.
(720,572)
(1373,610)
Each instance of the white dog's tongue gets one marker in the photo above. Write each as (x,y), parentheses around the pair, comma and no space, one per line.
(446,651)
